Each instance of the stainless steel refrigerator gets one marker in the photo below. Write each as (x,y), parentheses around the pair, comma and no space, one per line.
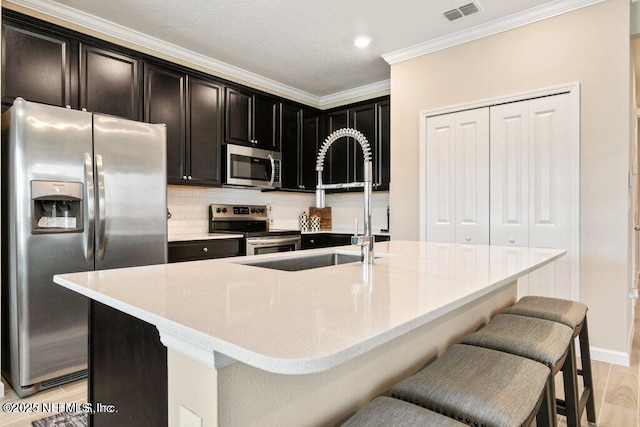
(80,192)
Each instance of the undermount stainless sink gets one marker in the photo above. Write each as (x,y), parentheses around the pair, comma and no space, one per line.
(305,262)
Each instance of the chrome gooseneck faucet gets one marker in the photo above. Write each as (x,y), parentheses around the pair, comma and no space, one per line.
(365,242)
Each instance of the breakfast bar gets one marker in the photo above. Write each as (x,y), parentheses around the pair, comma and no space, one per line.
(249,343)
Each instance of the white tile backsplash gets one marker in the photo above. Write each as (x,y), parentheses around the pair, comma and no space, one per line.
(188,207)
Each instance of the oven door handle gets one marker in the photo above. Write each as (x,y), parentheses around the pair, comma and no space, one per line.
(271,241)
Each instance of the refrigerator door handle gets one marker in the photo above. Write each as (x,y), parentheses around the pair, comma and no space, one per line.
(89,207)
(101,214)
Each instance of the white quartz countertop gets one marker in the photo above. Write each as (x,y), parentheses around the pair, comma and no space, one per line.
(306,321)
(202,236)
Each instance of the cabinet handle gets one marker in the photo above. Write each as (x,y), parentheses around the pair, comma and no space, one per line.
(468,238)
(512,240)
(312,241)
(189,177)
(184,177)
(205,249)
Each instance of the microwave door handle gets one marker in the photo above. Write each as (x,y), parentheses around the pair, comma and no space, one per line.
(273,170)
(89,207)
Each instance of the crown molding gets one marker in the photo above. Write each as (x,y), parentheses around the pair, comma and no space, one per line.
(358,92)
(519,19)
(83,19)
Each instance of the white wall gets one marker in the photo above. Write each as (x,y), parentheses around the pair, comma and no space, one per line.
(589,46)
(188,207)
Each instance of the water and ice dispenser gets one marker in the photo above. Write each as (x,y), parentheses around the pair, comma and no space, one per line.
(56,207)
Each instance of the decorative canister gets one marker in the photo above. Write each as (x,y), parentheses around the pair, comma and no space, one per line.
(315,223)
(303,221)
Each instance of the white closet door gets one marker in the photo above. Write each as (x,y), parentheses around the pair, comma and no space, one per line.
(509,180)
(549,187)
(472,176)
(440,209)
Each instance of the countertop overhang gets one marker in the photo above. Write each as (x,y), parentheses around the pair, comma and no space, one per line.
(303,322)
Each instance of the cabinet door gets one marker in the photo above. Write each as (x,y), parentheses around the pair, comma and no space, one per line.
(363,119)
(311,126)
(37,66)
(382,164)
(472,176)
(336,165)
(204,132)
(441,179)
(509,179)
(291,148)
(109,83)
(265,118)
(238,117)
(164,103)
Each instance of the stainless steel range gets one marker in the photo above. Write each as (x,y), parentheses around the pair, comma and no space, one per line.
(253,222)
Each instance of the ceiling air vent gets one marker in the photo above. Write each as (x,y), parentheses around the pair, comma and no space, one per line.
(460,11)
(468,9)
(453,14)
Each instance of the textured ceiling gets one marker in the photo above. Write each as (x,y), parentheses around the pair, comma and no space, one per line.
(307,45)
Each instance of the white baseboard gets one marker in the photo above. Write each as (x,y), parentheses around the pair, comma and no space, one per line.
(610,356)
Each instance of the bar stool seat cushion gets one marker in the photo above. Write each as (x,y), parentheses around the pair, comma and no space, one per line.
(385,411)
(571,313)
(477,386)
(541,340)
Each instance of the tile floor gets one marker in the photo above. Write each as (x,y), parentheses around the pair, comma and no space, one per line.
(616,390)
(75,392)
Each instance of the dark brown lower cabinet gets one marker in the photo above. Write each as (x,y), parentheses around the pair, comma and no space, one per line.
(127,369)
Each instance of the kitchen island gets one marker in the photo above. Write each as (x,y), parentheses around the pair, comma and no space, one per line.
(248,345)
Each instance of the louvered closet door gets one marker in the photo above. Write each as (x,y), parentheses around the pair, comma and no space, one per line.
(472,176)
(549,188)
(441,153)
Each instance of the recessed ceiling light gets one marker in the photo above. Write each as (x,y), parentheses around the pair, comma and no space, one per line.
(362,41)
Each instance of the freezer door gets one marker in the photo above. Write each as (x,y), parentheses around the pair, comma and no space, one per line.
(131,193)
(47,324)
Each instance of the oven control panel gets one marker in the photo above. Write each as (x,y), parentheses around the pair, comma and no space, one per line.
(238,212)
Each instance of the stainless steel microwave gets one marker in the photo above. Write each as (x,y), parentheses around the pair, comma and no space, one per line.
(252,167)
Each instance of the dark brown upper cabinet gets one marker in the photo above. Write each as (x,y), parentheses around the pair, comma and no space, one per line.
(311,140)
(164,102)
(299,132)
(345,159)
(363,119)
(251,119)
(339,160)
(204,131)
(382,163)
(37,65)
(109,83)
(192,110)
(290,142)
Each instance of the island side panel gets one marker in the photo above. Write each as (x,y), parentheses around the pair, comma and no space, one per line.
(127,369)
(241,395)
